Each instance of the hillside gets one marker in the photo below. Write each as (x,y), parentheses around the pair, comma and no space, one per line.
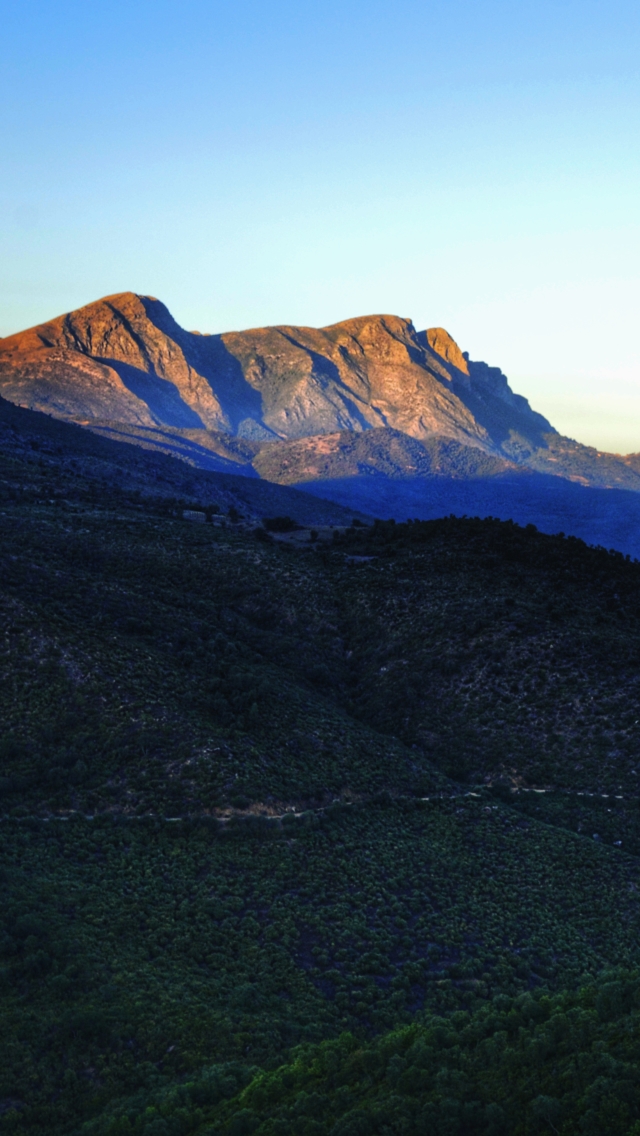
(567,1064)
(61,455)
(257,793)
(606,517)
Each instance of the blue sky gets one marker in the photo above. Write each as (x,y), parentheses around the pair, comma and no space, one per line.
(469,164)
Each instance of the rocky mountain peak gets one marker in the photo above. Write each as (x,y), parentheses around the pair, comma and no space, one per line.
(125,359)
(444,345)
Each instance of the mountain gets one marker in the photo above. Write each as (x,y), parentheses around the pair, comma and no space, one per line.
(125,358)
(369,413)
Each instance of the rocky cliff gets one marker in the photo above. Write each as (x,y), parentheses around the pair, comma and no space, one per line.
(125,359)
(290,403)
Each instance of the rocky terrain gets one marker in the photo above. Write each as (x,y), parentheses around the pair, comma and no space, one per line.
(370,414)
(125,358)
(123,364)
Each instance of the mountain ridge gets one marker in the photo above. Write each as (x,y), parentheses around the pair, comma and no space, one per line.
(269,401)
(282,381)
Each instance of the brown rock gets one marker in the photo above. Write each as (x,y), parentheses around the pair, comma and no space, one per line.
(125,359)
(441,342)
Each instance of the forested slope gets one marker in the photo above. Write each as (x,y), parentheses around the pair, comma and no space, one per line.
(257,793)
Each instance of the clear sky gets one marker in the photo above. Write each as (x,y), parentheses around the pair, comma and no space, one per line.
(469,164)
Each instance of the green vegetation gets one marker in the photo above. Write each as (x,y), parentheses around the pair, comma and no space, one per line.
(272,853)
(561,1064)
(138,953)
(505,653)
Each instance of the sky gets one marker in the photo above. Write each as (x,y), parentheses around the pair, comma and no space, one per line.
(471,164)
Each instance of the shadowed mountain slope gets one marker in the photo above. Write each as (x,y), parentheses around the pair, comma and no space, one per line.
(606,517)
(63,450)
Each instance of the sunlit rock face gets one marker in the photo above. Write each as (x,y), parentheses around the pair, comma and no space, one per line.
(125,359)
(120,358)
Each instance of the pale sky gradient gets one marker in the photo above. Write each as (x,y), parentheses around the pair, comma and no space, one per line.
(470,164)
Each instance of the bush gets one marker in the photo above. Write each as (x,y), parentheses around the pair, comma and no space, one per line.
(280,524)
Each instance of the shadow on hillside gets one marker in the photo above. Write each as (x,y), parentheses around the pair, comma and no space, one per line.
(514,427)
(609,517)
(209,356)
(165,441)
(161,396)
(326,371)
(241,403)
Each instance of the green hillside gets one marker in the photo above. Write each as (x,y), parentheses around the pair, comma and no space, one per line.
(564,1063)
(257,794)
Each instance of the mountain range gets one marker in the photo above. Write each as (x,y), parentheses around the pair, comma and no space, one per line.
(369,413)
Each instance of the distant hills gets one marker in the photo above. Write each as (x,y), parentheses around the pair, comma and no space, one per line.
(368,412)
